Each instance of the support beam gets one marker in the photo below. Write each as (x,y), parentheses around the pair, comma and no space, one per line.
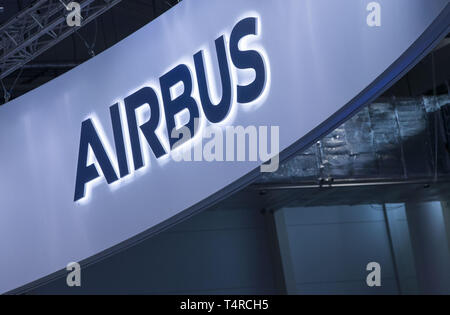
(430,247)
(446,215)
(281,252)
(40,27)
(402,253)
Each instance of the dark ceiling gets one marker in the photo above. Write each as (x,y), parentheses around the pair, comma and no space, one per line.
(111,27)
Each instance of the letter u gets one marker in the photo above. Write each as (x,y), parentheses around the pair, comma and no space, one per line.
(214,112)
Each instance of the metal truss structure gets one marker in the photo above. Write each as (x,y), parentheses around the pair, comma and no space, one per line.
(39,27)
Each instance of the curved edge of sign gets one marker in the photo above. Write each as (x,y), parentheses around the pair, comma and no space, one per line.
(426,42)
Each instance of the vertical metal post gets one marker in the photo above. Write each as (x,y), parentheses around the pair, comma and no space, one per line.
(430,246)
(278,239)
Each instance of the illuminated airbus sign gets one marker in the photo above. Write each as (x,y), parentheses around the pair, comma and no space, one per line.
(215,112)
(301,65)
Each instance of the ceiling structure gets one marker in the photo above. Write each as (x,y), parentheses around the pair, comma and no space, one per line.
(395,150)
(37,45)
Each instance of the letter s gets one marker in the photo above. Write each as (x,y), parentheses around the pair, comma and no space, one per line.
(247,59)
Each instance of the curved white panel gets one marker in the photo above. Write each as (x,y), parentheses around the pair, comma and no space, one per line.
(318,55)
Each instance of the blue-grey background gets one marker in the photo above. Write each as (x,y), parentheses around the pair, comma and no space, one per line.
(42,229)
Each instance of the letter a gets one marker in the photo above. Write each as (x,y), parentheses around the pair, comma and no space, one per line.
(374,278)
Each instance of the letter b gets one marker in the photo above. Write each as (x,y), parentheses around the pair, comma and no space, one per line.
(172,107)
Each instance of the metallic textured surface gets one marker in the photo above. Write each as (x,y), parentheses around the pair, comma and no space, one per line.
(389,139)
(392,151)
